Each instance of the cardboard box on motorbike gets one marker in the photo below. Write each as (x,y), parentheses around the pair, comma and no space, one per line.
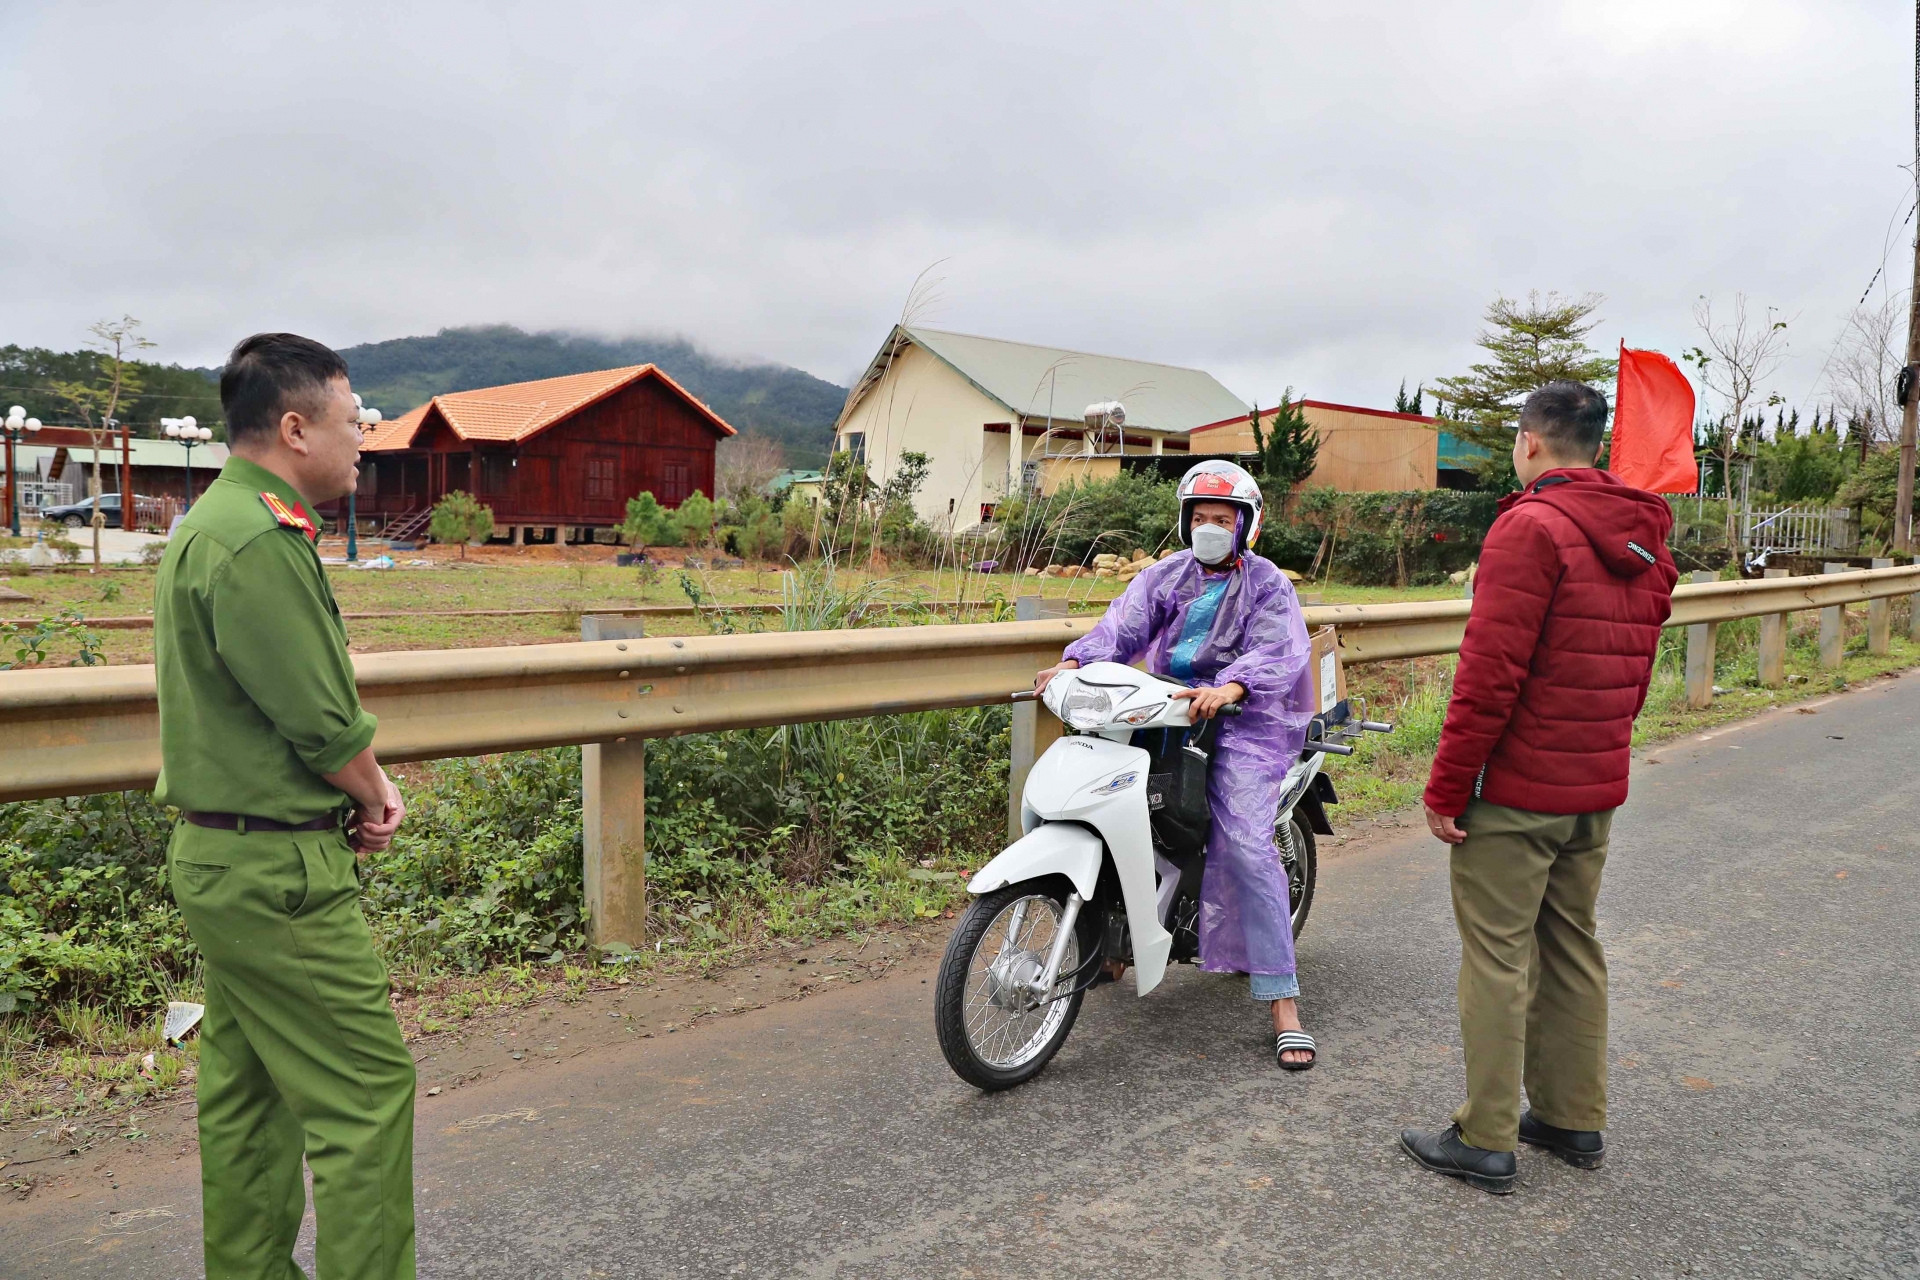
(1329,674)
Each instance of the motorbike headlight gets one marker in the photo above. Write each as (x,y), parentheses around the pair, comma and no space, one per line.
(1086,708)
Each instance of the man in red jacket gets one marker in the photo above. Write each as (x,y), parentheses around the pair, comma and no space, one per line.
(1574,584)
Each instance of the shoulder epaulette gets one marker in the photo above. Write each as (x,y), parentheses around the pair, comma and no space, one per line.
(294,517)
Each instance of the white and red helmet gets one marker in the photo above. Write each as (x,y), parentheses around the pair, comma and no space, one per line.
(1217,480)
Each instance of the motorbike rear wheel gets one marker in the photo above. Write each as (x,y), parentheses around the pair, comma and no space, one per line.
(989,1036)
(1302,868)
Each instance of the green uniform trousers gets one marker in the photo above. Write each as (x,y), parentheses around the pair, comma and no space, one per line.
(300,1054)
(1533,979)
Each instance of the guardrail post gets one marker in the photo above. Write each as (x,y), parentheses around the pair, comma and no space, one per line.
(1833,627)
(613,819)
(1701,638)
(1773,643)
(1880,617)
(1913,612)
(1034,727)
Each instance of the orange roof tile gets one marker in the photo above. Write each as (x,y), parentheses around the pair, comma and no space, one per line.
(394,433)
(522,409)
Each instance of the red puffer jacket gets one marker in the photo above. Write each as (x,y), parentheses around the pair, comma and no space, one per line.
(1574,583)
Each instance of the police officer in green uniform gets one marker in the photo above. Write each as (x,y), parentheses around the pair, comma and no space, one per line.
(268,755)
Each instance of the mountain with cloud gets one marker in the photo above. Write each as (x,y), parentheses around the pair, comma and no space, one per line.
(787,404)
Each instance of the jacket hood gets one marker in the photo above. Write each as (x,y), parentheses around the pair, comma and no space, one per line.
(1627,527)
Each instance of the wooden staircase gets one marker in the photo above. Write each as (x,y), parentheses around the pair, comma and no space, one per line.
(408,526)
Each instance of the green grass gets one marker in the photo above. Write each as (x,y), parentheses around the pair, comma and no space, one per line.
(424,597)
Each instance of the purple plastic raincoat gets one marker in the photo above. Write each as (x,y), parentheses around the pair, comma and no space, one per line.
(1259,640)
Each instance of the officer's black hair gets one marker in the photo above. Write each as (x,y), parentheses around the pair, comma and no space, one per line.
(1571,417)
(271,374)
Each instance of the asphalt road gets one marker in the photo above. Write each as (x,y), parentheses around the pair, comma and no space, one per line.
(1759,914)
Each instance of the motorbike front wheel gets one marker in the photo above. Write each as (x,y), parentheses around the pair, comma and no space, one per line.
(1301,862)
(991,1034)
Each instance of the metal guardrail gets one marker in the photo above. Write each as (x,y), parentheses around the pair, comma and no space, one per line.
(73,730)
(144,621)
(70,731)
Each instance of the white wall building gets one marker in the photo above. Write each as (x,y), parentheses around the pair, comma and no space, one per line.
(987,413)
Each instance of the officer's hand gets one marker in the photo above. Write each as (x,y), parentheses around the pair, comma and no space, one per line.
(1207,702)
(377,833)
(1040,680)
(1444,827)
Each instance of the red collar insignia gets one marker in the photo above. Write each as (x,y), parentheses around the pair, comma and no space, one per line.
(294,517)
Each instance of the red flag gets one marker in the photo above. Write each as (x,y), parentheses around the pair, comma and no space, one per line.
(1653,425)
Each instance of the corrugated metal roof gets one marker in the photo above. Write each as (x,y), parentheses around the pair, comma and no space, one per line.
(1022,376)
(146,453)
(521,409)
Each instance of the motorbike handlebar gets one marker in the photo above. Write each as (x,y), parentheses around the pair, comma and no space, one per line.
(1025,695)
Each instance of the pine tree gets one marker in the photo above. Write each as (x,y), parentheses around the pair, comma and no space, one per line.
(459,518)
(1531,344)
(1289,448)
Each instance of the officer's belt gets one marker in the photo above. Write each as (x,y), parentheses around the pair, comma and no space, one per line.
(243,822)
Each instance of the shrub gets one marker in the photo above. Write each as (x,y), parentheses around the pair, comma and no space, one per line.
(693,519)
(487,867)
(1381,538)
(84,907)
(22,646)
(796,528)
(459,518)
(1078,521)
(648,524)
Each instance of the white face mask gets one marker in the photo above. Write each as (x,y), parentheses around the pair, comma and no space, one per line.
(1212,543)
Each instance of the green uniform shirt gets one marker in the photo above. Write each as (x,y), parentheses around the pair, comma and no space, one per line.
(257,697)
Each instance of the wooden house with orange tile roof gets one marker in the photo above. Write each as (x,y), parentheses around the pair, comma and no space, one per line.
(556,459)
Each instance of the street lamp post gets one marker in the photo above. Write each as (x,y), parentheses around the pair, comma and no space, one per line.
(368,417)
(16,426)
(189,433)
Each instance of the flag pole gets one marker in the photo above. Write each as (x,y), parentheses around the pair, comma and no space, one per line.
(1910,406)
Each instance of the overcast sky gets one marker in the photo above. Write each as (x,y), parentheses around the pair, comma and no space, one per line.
(1322,196)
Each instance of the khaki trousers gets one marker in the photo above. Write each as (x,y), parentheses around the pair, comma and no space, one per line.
(1533,978)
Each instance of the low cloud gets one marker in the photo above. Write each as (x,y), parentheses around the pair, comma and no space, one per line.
(1285,194)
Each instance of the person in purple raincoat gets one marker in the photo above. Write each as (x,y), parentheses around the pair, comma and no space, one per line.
(1227,622)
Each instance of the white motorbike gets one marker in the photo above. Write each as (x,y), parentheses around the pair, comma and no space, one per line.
(1116,821)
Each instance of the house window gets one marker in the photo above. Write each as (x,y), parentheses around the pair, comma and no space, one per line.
(855,443)
(602,479)
(677,484)
(496,472)
(459,471)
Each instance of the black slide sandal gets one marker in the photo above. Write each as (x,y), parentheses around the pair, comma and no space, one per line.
(1285,1042)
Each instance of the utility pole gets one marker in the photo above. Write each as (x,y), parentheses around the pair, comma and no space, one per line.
(1910,410)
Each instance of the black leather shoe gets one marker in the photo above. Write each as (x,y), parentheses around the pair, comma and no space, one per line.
(1445,1152)
(1581,1148)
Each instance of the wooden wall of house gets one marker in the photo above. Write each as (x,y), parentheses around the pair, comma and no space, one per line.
(644,437)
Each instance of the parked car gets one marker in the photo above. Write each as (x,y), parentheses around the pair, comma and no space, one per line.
(76,515)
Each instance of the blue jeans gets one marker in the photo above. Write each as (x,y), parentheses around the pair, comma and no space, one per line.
(1274,986)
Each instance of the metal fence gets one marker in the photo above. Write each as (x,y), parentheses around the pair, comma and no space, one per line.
(155,515)
(38,495)
(1800,529)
